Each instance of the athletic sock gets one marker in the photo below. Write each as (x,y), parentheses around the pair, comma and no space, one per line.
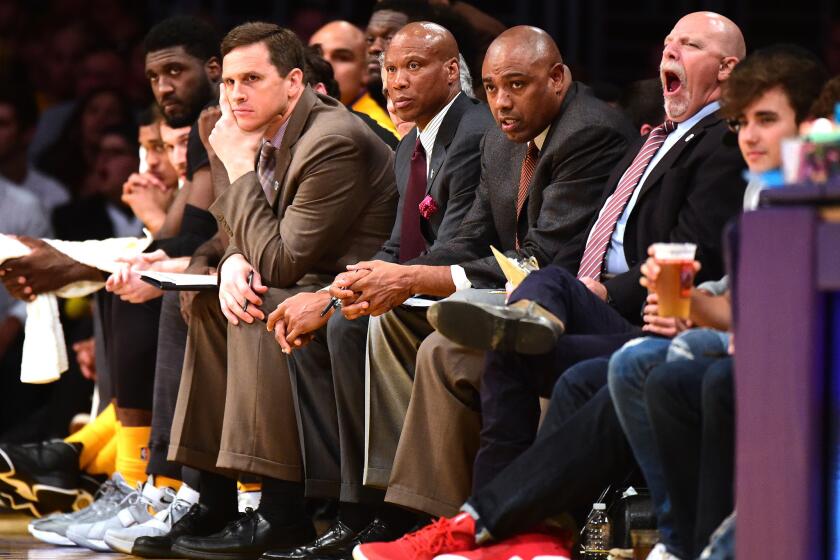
(248,486)
(133,453)
(95,435)
(105,462)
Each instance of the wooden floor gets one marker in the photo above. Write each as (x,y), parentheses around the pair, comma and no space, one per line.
(16,543)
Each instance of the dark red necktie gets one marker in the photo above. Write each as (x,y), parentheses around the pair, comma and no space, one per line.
(412,242)
(529,164)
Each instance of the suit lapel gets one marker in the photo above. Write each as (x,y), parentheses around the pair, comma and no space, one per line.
(444,137)
(283,155)
(667,162)
(402,161)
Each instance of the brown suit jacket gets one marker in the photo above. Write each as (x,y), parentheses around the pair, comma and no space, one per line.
(334,201)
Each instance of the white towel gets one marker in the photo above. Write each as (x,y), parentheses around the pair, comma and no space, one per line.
(44,351)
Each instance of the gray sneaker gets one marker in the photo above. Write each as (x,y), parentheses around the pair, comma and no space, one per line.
(122,539)
(53,528)
(133,510)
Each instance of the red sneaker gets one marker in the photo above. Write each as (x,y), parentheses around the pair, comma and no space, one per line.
(528,546)
(442,536)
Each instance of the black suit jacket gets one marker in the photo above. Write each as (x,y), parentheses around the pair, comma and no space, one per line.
(454,173)
(688,197)
(584,142)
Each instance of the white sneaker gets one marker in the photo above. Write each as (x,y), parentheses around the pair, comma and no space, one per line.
(134,510)
(122,540)
(659,552)
(53,528)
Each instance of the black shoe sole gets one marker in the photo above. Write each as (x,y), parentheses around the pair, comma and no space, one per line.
(204,555)
(153,552)
(485,327)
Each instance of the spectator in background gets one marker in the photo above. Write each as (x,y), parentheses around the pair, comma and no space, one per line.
(150,191)
(18,116)
(642,102)
(71,158)
(343,46)
(824,106)
(318,74)
(101,213)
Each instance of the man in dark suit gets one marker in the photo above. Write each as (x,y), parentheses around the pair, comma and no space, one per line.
(680,184)
(322,196)
(542,175)
(439,159)
(685,194)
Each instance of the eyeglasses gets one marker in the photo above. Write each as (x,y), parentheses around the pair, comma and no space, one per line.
(734,125)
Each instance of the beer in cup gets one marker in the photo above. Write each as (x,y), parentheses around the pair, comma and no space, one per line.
(676,277)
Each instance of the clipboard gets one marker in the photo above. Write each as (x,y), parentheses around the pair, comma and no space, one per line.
(175,281)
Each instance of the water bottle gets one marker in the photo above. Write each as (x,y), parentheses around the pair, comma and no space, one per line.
(596,544)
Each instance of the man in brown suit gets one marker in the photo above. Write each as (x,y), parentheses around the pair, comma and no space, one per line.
(322,196)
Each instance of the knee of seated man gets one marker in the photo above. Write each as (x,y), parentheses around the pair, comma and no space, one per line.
(631,363)
(583,380)
(718,381)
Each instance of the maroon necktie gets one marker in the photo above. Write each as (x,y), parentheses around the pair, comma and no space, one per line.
(592,263)
(525,176)
(412,242)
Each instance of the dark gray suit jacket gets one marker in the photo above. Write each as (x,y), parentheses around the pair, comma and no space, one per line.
(584,142)
(454,173)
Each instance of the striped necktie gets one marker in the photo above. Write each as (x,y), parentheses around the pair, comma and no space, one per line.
(265,169)
(592,263)
(529,164)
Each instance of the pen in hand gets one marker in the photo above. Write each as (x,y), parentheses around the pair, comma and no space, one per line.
(334,302)
(250,285)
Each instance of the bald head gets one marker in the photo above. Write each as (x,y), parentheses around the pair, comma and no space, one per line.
(699,55)
(343,45)
(529,42)
(436,38)
(421,71)
(720,29)
(525,81)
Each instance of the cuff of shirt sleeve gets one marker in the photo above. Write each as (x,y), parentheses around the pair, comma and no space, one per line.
(459,277)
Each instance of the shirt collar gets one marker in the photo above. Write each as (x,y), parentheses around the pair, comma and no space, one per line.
(429,134)
(277,139)
(699,115)
(540,139)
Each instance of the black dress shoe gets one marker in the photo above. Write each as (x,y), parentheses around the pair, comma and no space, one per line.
(524,327)
(334,541)
(245,539)
(377,531)
(199,521)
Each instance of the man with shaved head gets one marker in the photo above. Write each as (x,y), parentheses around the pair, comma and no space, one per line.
(438,160)
(343,46)
(680,184)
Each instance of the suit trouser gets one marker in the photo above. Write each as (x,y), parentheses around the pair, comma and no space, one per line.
(235,410)
(691,408)
(328,378)
(513,383)
(172,342)
(393,341)
(441,432)
(580,449)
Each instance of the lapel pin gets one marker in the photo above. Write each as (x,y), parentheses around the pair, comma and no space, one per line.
(689,137)
(276,185)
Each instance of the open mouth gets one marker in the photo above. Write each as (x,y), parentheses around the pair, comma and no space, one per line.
(672,82)
(507,123)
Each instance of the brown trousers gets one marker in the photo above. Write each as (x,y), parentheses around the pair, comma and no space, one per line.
(433,467)
(235,412)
